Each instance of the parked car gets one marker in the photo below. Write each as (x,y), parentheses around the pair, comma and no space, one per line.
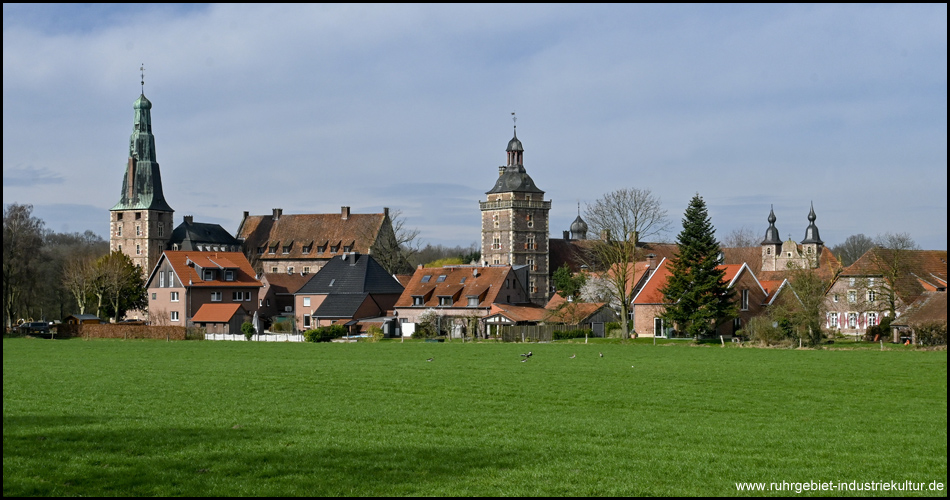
(34,327)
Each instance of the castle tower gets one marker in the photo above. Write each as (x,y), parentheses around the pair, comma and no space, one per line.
(140,224)
(812,244)
(515,223)
(771,245)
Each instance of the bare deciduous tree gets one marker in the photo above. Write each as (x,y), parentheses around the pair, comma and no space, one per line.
(79,278)
(852,249)
(743,246)
(22,241)
(893,259)
(394,249)
(622,219)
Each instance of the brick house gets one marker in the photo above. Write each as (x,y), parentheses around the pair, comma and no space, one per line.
(347,289)
(304,243)
(649,303)
(277,294)
(859,296)
(459,293)
(183,282)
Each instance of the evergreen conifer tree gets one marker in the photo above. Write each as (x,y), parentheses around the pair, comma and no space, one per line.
(698,297)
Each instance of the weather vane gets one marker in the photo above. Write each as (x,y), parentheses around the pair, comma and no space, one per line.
(514,119)
(142,69)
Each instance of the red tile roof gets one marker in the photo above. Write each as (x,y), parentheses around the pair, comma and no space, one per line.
(650,293)
(188,265)
(359,231)
(217,313)
(485,283)
(520,314)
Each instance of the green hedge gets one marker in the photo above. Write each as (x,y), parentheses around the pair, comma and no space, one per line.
(325,333)
(572,334)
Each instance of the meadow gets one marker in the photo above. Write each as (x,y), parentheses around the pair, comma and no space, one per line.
(200,418)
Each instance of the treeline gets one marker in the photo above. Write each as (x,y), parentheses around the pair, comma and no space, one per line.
(39,262)
(443,255)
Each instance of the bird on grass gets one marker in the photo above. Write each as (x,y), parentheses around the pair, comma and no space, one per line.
(525,360)
(601,354)
(430,359)
(530,354)
(573,356)
(524,355)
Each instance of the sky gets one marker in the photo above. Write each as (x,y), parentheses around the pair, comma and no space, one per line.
(309,108)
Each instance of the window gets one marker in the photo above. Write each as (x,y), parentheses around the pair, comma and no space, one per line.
(154,295)
(335,248)
(161,229)
(260,250)
(138,230)
(736,324)
(425,279)
(745,300)
(290,270)
(530,245)
(306,270)
(530,219)
(768,251)
(496,242)
(118,229)
(161,279)
(872,318)
(473,302)
(208,275)
(851,282)
(286,248)
(229,275)
(306,248)
(118,216)
(247,296)
(138,249)
(531,265)
(852,320)
(445,301)
(306,321)
(215,296)
(272,250)
(173,296)
(658,327)
(871,296)
(138,215)
(852,296)
(834,297)
(273,270)
(833,320)
(348,248)
(260,302)
(237,296)
(532,285)
(417,300)
(463,280)
(174,315)
(119,246)
(306,301)
(496,260)
(440,279)
(322,248)
(495,219)
(267,302)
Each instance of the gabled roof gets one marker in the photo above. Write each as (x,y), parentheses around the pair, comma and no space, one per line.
(582,310)
(217,313)
(353,273)
(286,283)
(650,293)
(484,283)
(929,307)
(341,305)
(520,313)
(188,265)
(189,235)
(331,230)
(828,264)
(925,270)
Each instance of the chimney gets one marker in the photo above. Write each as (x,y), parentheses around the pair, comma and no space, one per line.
(651,261)
(386,212)
(277,213)
(189,219)
(352,258)
(247,214)
(345,211)
(501,171)
(567,235)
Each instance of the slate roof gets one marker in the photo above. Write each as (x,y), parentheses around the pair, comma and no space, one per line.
(341,305)
(189,235)
(299,231)
(284,283)
(188,265)
(353,273)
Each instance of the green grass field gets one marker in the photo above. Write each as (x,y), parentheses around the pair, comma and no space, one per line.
(147,418)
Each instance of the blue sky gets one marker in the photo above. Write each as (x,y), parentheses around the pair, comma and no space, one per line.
(308,108)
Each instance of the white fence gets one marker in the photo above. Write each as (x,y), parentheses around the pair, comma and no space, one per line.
(266,337)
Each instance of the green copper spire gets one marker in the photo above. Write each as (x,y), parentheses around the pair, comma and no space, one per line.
(142,185)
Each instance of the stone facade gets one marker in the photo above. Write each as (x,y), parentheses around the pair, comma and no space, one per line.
(140,234)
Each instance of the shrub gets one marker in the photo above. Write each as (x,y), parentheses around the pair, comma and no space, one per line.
(933,333)
(882,330)
(248,329)
(571,334)
(282,325)
(375,333)
(761,329)
(324,333)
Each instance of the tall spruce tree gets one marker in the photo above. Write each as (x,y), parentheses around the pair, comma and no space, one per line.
(698,297)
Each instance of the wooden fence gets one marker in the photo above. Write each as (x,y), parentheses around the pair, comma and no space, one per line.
(530,333)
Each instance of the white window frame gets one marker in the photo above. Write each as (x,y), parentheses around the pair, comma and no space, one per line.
(207,274)
(229,275)
(306,301)
(161,279)
(173,297)
(872,319)
(745,300)
(173,315)
(216,296)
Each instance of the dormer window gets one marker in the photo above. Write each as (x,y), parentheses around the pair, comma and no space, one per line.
(321,248)
(229,275)
(445,301)
(208,274)
(417,300)
(306,249)
(260,250)
(348,248)
(334,248)
(473,302)
(286,249)
(273,249)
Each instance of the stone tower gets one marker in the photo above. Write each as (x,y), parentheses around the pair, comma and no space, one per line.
(140,224)
(780,256)
(515,223)
(812,244)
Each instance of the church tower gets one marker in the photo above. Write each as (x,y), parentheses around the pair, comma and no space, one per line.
(771,245)
(812,244)
(140,224)
(515,223)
